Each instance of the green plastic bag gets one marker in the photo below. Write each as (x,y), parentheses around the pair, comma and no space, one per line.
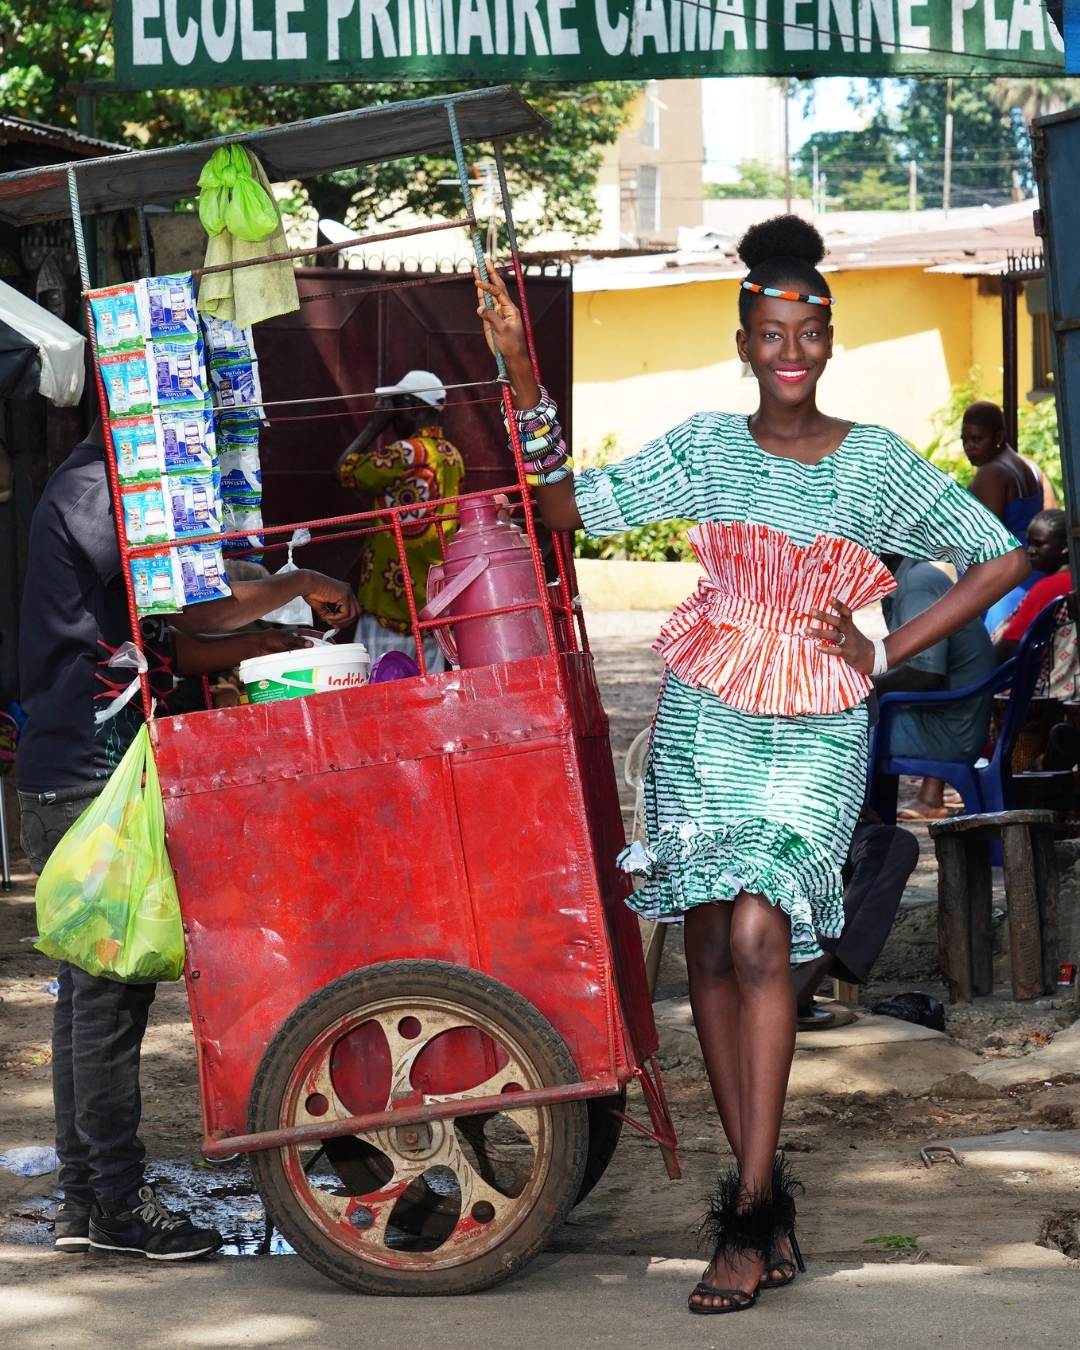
(106,900)
(231,199)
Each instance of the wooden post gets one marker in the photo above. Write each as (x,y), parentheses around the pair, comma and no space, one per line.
(1025,937)
(980,881)
(954,916)
(1046,891)
(845,992)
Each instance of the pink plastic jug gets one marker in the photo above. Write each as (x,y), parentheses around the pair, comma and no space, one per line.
(488,565)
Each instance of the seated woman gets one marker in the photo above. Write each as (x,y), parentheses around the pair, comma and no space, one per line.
(1048,552)
(1006,484)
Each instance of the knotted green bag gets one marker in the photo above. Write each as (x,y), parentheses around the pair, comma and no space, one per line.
(106,900)
(231,199)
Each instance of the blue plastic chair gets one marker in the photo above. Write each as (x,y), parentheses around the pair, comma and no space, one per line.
(987,785)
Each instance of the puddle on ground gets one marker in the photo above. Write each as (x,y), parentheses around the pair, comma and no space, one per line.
(221,1196)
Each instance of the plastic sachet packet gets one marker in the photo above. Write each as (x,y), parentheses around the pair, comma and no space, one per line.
(145,519)
(201,573)
(138,450)
(297,613)
(241,475)
(247,519)
(154,577)
(225,342)
(236,384)
(194,502)
(127,383)
(179,375)
(188,441)
(167,307)
(117,326)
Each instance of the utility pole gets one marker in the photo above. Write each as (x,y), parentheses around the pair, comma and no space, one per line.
(787,144)
(946,189)
(913,187)
(817,185)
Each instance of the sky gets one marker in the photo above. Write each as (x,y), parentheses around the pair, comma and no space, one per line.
(830,109)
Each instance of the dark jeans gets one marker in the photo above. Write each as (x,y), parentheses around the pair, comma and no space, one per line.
(880,860)
(97,1035)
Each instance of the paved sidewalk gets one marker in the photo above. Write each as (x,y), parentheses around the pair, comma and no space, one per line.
(632,1303)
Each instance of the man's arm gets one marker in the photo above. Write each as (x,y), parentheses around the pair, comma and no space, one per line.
(906,680)
(331,600)
(200,654)
(379,420)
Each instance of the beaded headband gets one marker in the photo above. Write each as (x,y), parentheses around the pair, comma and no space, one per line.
(789,295)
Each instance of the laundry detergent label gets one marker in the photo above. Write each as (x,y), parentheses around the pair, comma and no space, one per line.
(127,383)
(144,514)
(194,501)
(179,374)
(154,578)
(201,573)
(116,319)
(167,306)
(188,441)
(138,452)
(236,384)
(225,342)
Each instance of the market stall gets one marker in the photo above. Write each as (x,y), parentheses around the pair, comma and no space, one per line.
(417,995)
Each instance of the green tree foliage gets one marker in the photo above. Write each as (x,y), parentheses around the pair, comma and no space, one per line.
(758,180)
(46,46)
(868,169)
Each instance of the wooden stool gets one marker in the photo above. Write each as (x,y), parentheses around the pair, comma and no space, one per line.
(965,929)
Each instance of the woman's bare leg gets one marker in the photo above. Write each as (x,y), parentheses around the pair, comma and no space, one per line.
(741,990)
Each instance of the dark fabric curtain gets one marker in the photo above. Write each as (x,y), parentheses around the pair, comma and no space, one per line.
(20,364)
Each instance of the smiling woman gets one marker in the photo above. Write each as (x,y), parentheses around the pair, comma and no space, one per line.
(757,765)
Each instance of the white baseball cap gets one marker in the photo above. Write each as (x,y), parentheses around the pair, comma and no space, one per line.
(421,384)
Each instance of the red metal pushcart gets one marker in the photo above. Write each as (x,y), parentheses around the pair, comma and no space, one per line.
(418,997)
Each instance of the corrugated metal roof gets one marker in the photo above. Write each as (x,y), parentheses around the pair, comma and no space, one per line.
(297,150)
(58,138)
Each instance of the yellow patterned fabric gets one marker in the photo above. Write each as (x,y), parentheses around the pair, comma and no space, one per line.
(421,469)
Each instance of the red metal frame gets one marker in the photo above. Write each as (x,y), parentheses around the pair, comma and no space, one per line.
(478,809)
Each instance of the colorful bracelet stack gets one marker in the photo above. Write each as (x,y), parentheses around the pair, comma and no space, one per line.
(547,459)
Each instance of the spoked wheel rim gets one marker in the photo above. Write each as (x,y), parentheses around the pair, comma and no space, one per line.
(441,1193)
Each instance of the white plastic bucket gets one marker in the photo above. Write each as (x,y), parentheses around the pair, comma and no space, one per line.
(308,670)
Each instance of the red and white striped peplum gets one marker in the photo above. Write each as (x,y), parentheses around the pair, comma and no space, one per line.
(742,635)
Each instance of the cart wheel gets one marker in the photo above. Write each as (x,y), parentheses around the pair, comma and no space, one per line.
(443,1207)
(604,1131)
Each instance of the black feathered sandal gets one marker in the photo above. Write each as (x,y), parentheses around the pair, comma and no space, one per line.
(785,1186)
(734,1231)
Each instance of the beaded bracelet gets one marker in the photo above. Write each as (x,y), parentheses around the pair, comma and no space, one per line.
(543,449)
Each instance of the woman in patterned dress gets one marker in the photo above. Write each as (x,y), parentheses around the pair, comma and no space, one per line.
(757,768)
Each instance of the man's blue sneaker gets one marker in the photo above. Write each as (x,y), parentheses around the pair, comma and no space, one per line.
(71,1227)
(149,1229)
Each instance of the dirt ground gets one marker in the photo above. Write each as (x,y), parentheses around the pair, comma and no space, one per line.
(857,1151)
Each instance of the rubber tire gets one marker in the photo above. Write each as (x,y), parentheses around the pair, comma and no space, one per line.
(474,991)
(604,1132)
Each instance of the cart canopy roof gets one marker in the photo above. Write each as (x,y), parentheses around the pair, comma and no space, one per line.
(296,150)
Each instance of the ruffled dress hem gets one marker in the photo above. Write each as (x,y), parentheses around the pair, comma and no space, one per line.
(689,866)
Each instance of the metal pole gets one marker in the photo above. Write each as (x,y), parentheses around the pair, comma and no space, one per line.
(562,539)
(817,185)
(946,190)
(508,402)
(787,144)
(1010,374)
(913,187)
(144,240)
(5,858)
(86,121)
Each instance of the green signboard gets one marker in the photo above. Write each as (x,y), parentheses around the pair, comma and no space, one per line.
(167,44)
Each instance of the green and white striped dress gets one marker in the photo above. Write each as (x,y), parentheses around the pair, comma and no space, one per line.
(735,800)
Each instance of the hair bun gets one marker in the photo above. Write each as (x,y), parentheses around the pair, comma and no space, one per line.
(781,237)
